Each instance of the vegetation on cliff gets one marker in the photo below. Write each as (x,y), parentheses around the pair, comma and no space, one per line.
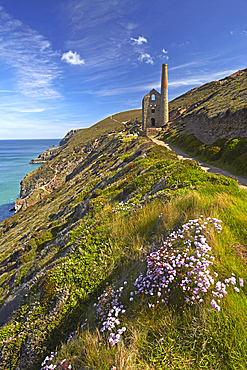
(217,98)
(90,219)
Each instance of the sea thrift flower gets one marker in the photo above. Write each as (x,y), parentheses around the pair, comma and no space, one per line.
(241,282)
(108,309)
(184,262)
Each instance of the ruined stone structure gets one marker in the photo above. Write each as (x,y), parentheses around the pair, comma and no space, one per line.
(155,106)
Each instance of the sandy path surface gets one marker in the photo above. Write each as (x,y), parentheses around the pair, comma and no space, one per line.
(204,166)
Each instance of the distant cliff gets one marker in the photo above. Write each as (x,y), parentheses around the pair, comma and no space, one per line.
(215,110)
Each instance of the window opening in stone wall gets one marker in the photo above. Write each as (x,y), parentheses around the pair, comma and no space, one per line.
(153,121)
(153,97)
(153,110)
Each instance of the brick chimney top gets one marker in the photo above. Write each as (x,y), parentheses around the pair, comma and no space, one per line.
(164,79)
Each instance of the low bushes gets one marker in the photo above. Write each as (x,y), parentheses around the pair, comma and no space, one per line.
(232,152)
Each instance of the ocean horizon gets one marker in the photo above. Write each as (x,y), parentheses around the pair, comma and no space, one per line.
(15,156)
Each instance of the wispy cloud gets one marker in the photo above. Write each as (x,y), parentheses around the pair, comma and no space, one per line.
(29,56)
(200,78)
(184,43)
(92,34)
(73,58)
(183,66)
(93,13)
(145,57)
(23,110)
(139,41)
(196,80)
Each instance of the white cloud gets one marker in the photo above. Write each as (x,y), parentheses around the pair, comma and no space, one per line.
(164,51)
(73,58)
(23,110)
(130,26)
(145,57)
(200,79)
(139,41)
(30,57)
(184,43)
(245,33)
(183,66)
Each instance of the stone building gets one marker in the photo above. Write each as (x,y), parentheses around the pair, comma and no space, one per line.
(155,106)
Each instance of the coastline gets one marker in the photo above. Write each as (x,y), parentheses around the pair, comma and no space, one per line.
(7,210)
(15,158)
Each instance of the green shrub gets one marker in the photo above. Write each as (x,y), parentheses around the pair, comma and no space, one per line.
(234,148)
(200,149)
(241,163)
(220,142)
(194,145)
(213,152)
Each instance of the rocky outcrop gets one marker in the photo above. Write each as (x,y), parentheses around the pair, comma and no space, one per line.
(49,154)
(46,156)
(209,129)
(68,136)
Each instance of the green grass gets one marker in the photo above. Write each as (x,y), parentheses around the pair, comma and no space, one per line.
(164,338)
(80,239)
(214,99)
(227,154)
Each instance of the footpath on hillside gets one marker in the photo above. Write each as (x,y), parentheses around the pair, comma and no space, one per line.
(204,166)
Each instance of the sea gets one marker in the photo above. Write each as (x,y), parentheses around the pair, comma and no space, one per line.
(15,156)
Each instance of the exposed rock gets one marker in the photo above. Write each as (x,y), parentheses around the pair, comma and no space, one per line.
(46,156)
(67,137)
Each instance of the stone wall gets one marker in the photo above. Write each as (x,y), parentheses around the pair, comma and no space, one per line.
(151,110)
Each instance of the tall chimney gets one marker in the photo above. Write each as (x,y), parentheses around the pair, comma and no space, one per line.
(164,113)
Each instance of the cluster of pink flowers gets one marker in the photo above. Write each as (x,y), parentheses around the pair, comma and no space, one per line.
(108,309)
(49,359)
(123,206)
(183,263)
(144,155)
(64,365)
(47,363)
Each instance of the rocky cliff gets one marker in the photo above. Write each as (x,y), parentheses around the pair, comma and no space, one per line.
(215,110)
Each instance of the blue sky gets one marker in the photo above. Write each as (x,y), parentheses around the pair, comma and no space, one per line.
(67,64)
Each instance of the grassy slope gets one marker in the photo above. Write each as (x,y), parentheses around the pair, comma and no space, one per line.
(165,337)
(60,254)
(68,247)
(214,98)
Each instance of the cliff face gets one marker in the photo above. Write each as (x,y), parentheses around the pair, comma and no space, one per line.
(215,110)
(60,162)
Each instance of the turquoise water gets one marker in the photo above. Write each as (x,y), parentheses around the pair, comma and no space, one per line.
(15,156)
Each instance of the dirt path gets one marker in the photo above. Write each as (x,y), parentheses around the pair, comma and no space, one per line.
(204,166)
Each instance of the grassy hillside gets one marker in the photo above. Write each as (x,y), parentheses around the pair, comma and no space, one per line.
(89,234)
(215,98)
(209,122)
